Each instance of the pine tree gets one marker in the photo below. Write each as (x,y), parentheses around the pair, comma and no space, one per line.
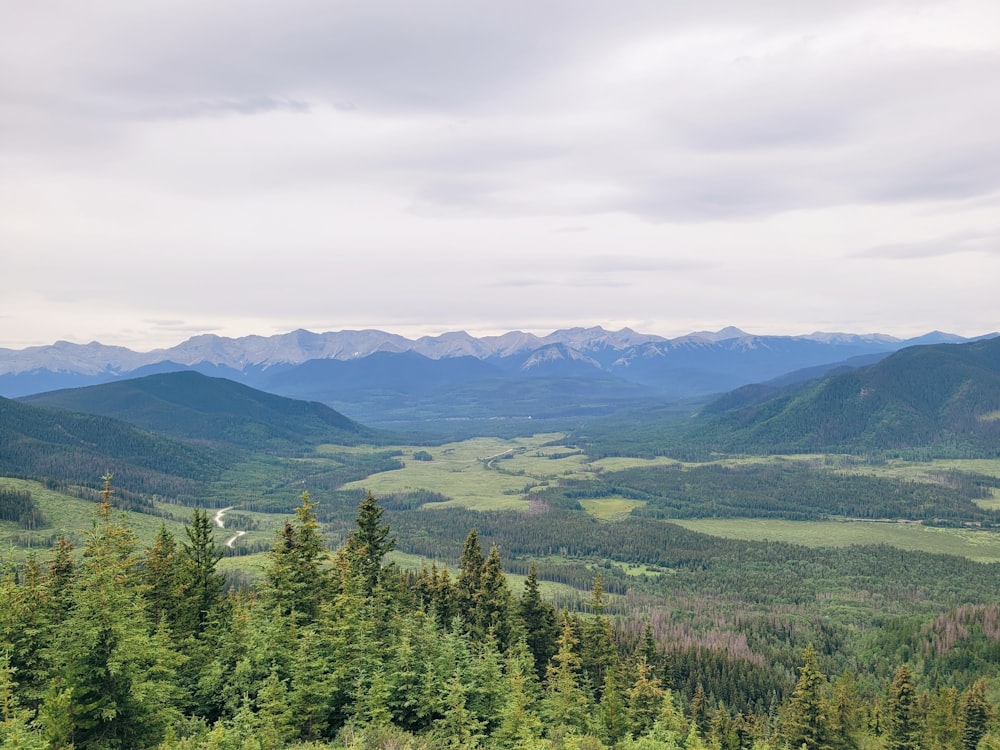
(297,582)
(494,603)
(16,729)
(539,619)
(368,545)
(470,574)
(200,584)
(160,569)
(806,723)
(566,705)
(903,730)
(698,710)
(114,675)
(645,700)
(975,710)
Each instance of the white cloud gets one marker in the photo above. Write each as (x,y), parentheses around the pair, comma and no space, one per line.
(416,164)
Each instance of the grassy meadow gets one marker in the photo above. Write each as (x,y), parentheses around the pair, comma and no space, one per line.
(496,474)
(977,545)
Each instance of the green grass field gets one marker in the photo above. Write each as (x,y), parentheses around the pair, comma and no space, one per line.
(610,508)
(496,474)
(981,546)
(482,473)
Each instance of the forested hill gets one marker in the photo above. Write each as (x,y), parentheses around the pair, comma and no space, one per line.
(192,406)
(944,396)
(55,444)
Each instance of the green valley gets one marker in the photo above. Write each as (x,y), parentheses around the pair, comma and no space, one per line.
(662,563)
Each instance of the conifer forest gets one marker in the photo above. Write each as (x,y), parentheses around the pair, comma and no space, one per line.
(130,647)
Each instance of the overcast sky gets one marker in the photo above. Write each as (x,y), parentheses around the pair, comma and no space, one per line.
(173,167)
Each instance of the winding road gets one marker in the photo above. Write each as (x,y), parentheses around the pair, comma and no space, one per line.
(221,524)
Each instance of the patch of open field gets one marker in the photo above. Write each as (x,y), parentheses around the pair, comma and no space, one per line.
(482,473)
(72,518)
(610,508)
(981,546)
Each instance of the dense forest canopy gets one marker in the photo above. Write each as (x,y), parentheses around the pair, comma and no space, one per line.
(125,647)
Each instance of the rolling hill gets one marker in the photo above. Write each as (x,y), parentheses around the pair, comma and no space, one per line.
(943,396)
(68,447)
(194,407)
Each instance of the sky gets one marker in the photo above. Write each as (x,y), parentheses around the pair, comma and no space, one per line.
(172,167)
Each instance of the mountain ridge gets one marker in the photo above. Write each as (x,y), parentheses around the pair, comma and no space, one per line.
(191,406)
(301,345)
(384,378)
(926,395)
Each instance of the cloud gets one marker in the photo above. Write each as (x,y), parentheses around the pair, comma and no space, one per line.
(962,242)
(634,263)
(664,113)
(267,163)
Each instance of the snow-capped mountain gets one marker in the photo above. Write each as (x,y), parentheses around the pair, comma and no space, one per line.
(696,364)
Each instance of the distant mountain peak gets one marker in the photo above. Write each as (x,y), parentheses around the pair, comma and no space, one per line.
(699,363)
(836,337)
(723,334)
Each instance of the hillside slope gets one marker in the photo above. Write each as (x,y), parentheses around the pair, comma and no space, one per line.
(945,395)
(191,406)
(39,443)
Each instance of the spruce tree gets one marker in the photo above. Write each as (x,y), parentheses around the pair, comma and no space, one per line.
(445,597)
(114,683)
(196,575)
(494,603)
(975,709)
(61,571)
(368,545)
(566,705)
(806,723)
(903,729)
(598,652)
(539,619)
(160,573)
(942,714)
(520,725)
(28,613)
(16,728)
(843,713)
(698,710)
(458,728)
(645,700)
(297,582)
(470,574)
(612,712)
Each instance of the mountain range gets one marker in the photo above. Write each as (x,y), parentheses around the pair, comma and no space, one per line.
(383,379)
(170,433)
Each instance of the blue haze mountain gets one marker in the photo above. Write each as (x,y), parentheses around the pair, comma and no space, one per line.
(384,378)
